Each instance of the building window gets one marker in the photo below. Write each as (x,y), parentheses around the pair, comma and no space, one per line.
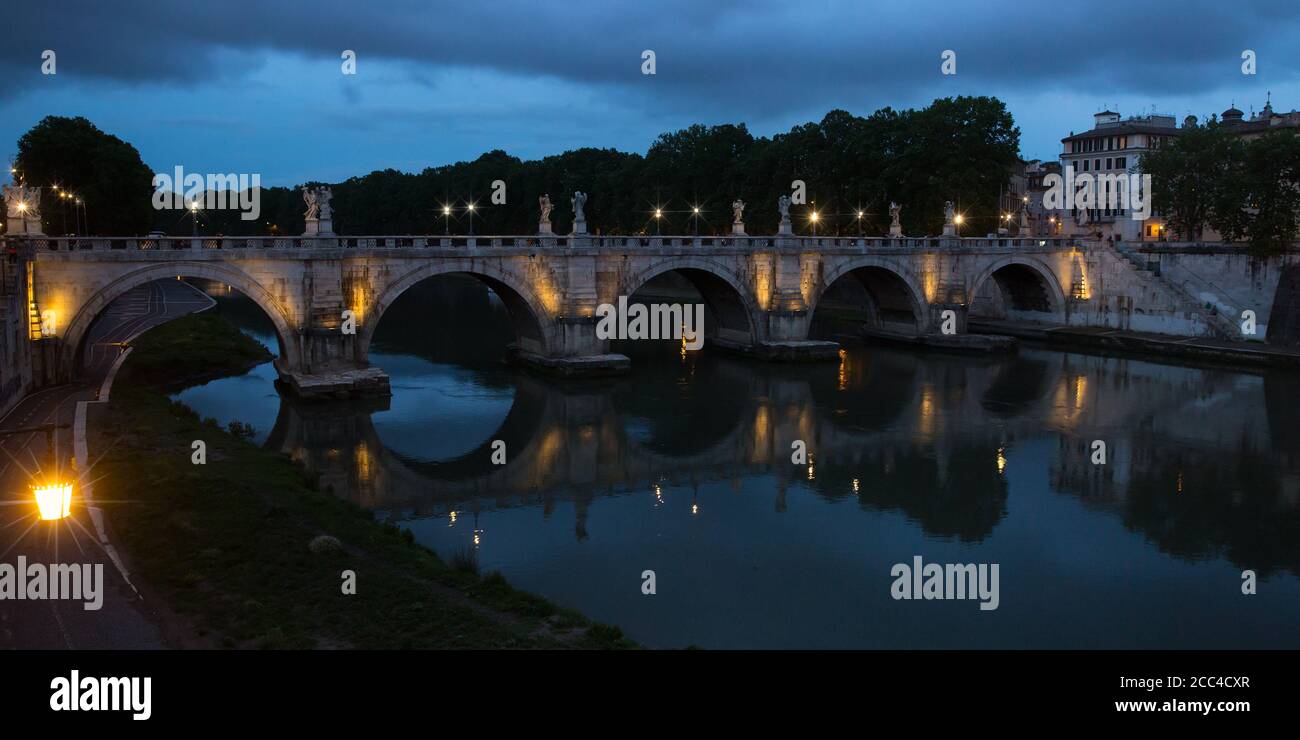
(1121,162)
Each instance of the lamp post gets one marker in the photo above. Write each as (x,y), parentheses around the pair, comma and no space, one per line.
(194,217)
(53,495)
(695,220)
(860,214)
(812,217)
(446,220)
(659,214)
(469,208)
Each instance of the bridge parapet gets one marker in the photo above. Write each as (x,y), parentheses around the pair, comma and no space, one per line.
(161,244)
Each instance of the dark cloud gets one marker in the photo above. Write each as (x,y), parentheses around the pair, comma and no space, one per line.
(760,58)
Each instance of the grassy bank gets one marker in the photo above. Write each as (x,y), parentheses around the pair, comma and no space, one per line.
(189,351)
(250,554)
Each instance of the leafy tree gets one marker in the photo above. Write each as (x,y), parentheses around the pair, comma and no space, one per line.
(1192,179)
(1271,172)
(104,171)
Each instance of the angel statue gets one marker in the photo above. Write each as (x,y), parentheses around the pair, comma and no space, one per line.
(323,197)
(312,200)
(579,200)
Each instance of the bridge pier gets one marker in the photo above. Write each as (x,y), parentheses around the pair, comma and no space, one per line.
(580,353)
(330,369)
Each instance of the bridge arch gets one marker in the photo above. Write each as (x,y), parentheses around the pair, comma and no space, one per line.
(534,329)
(75,336)
(1022,286)
(892,288)
(734,308)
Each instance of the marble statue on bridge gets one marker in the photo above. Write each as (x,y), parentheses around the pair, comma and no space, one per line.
(895,213)
(319,218)
(737,217)
(313,205)
(579,200)
(783,206)
(544,223)
(949,219)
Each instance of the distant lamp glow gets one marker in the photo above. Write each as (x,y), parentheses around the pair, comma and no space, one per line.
(470,207)
(658,213)
(22,207)
(695,210)
(860,214)
(958,219)
(813,216)
(53,500)
(446,210)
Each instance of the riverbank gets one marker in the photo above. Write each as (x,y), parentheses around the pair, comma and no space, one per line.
(1156,346)
(249,553)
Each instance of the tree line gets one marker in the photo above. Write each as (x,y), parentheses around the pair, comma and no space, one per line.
(961,149)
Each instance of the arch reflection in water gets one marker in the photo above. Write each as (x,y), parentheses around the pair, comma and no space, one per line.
(684,467)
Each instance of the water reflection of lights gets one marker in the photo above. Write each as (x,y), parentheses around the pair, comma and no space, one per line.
(478,537)
(855,485)
(1002,459)
(811,469)
(451,519)
(844,370)
(695,508)
(659,495)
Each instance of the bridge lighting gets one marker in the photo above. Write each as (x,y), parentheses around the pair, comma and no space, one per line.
(49,322)
(958,219)
(446,210)
(53,500)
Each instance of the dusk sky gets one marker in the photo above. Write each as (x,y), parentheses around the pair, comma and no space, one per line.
(256,87)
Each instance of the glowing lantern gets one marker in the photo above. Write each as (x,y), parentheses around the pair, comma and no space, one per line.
(53,500)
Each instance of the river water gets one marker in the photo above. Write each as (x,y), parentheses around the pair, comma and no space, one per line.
(684,468)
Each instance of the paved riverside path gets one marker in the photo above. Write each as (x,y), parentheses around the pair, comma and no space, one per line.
(122,622)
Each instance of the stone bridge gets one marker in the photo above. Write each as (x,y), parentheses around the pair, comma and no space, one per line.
(760,293)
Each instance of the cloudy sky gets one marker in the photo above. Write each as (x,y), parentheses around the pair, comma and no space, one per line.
(245,86)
